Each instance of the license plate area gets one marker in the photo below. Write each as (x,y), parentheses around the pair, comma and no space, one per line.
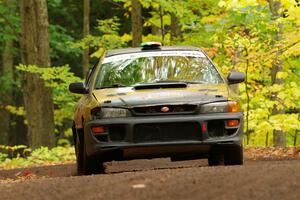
(160,132)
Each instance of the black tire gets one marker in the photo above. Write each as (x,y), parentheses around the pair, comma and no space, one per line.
(216,159)
(79,153)
(86,165)
(234,155)
(92,165)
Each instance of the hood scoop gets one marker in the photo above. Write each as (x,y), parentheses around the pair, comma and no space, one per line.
(160,85)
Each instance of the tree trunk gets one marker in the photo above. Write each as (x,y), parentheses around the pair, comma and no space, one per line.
(136,23)
(6,95)
(279,136)
(235,62)
(297,131)
(86,31)
(175,28)
(155,30)
(162,24)
(35,50)
(247,95)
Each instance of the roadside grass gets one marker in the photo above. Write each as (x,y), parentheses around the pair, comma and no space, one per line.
(21,157)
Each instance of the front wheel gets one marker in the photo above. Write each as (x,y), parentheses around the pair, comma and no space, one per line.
(85,164)
(92,165)
(216,159)
(234,155)
(79,153)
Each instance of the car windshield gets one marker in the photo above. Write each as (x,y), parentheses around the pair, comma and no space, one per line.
(155,67)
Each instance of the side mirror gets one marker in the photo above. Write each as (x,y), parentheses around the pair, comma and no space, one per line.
(78,88)
(235,77)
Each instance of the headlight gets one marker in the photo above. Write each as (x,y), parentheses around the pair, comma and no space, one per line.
(220,107)
(103,113)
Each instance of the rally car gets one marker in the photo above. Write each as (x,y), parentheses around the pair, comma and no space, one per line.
(156,101)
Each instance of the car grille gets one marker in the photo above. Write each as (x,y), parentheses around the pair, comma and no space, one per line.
(160,132)
(117,133)
(165,109)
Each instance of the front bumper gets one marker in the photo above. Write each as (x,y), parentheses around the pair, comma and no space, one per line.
(130,148)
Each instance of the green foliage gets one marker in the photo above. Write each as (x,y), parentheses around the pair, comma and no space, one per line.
(58,79)
(41,156)
(3,157)
(9,22)
(6,83)
(13,151)
(107,38)
(60,42)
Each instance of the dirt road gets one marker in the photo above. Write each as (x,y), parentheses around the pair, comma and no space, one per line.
(157,179)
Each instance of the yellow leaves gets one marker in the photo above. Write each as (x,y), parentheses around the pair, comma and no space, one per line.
(264,127)
(126,37)
(210,19)
(250,44)
(294,13)
(262,2)
(101,50)
(262,124)
(158,38)
(98,53)
(19,111)
(222,3)
(232,4)
(281,75)
(292,10)
(292,38)
(285,122)
(275,88)
(147,23)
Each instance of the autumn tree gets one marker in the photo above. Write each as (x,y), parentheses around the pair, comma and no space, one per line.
(35,51)
(279,136)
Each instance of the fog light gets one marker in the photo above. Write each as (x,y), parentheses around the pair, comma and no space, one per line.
(233,123)
(98,129)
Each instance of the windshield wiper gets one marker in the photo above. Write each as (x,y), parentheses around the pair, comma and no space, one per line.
(194,82)
(117,85)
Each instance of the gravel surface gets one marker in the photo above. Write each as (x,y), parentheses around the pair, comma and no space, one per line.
(157,179)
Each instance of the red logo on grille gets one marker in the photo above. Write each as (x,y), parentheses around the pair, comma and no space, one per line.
(165,109)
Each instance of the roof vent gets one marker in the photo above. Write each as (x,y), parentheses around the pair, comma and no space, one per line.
(151,45)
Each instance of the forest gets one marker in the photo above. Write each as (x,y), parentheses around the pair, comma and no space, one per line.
(46,45)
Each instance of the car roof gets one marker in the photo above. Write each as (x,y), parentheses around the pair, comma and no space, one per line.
(139,50)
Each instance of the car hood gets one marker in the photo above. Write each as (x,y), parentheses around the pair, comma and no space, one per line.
(129,97)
